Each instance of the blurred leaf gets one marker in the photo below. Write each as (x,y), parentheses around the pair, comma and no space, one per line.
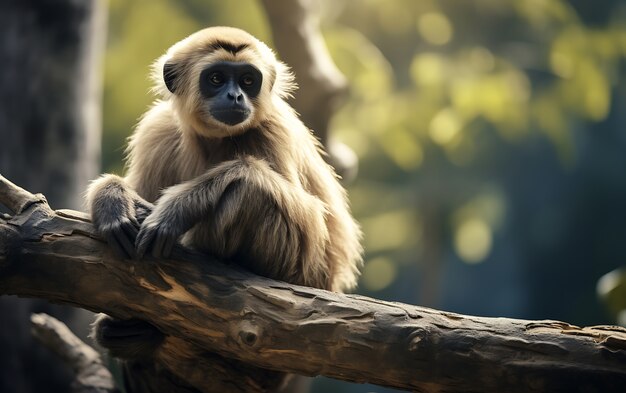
(612,290)
(435,28)
(390,230)
(369,73)
(473,239)
(378,273)
(403,148)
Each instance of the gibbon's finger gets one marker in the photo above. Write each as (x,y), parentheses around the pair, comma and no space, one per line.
(131,231)
(162,245)
(145,237)
(167,247)
(125,243)
(116,246)
(141,243)
(157,245)
(143,204)
(142,211)
(133,221)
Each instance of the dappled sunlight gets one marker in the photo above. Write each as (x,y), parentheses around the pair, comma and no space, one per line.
(378,273)
(473,240)
(475,223)
(368,70)
(404,148)
(489,206)
(435,28)
(444,126)
(429,69)
(543,12)
(391,230)
(394,20)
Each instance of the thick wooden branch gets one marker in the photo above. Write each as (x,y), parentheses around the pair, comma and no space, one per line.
(91,374)
(209,307)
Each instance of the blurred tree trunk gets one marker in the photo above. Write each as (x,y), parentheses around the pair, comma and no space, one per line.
(50,142)
(322,87)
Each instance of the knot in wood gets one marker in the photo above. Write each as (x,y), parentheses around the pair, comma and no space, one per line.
(248,337)
(248,333)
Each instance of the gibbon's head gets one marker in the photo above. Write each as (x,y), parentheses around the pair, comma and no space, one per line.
(221,81)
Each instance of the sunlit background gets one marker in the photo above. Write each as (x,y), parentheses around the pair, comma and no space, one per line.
(491,137)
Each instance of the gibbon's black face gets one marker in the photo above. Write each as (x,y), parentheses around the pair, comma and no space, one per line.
(230,87)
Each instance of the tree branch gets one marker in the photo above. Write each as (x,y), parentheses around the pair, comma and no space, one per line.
(91,375)
(16,198)
(208,307)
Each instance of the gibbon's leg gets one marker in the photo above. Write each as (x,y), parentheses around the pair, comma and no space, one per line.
(117,212)
(249,207)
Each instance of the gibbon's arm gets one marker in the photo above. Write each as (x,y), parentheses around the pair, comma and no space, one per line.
(287,224)
(117,212)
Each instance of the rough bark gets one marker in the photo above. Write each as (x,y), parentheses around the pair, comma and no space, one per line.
(208,307)
(49,142)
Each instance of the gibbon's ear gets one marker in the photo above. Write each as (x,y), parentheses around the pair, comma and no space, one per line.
(170,74)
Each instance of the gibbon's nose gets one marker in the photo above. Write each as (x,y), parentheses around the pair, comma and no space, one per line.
(235,96)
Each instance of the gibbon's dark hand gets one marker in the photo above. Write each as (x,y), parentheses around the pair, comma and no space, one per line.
(158,234)
(120,233)
(117,212)
(143,209)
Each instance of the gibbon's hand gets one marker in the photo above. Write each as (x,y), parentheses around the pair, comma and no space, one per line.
(142,210)
(117,212)
(120,233)
(116,223)
(159,232)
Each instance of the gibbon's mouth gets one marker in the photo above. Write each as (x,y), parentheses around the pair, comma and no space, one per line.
(230,117)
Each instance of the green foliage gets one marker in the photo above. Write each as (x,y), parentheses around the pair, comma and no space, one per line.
(612,289)
(428,78)
(436,86)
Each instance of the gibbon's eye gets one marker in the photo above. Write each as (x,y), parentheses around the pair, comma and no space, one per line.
(216,78)
(247,80)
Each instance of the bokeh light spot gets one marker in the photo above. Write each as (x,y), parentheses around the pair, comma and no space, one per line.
(428,69)
(378,274)
(472,240)
(444,126)
(435,28)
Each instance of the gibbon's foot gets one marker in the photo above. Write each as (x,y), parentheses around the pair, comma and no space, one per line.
(127,339)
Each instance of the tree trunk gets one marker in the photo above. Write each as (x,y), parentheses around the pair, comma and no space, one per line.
(50,142)
(322,87)
(207,308)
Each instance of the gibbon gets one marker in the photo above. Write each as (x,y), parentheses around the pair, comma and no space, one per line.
(222,164)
